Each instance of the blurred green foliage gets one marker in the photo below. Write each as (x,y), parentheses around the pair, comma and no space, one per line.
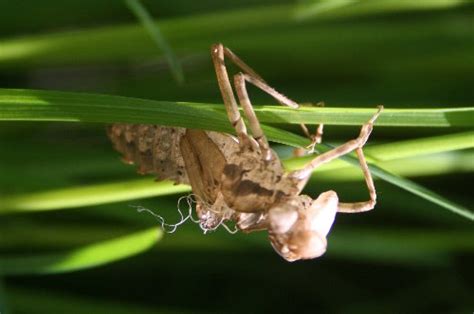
(407,256)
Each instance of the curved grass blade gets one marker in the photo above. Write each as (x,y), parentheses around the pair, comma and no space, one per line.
(90,195)
(421,146)
(113,192)
(41,105)
(153,29)
(414,188)
(399,150)
(347,8)
(107,43)
(401,246)
(37,105)
(194,34)
(313,8)
(88,256)
(433,165)
(100,194)
(421,191)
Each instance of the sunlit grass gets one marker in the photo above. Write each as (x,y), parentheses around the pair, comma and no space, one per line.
(37,105)
(399,152)
(87,256)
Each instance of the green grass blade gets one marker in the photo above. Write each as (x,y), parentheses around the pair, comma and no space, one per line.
(311,8)
(88,256)
(414,188)
(446,117)
(107,43)
(128,190)
(424,146)
(37,105)
(90,195)
(422,192)
(400,245)
(258,27)
(153,29)
(432,165)
(399,150)
(346,8)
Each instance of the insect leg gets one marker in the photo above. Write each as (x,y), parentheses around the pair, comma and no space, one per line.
(317,137)
(252,77)
(257,132)
(355,144)
(358,207)
(217,53)
(249,222)
(240,80)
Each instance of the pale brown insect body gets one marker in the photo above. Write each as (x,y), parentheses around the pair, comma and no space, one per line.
(240,178)
(153,148)
(159,150)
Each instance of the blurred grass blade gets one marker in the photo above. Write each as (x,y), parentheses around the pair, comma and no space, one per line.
(421,146)
(347,8)
(449,163)
(107,43)
(134,189)
(153,29)
(258,26)
(88,256)
(34,105)
(100,194)
(399,150)
(414,188)
(423,192)
(311,8)
(41,105)
(90,195)
(400,245)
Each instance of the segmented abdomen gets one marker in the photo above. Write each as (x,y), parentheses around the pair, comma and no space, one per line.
(154,149)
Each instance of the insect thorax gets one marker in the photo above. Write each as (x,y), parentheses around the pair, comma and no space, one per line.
(251,184)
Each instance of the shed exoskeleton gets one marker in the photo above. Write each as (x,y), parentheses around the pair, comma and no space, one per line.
(257,188)
(241,178)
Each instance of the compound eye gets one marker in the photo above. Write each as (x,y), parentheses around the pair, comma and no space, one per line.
(282,218)
(299,245)
(307,244)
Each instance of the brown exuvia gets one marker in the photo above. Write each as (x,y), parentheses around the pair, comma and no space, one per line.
(241,178)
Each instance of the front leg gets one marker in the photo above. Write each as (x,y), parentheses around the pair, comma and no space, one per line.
(219,52)
(358,207)
(249,222)
(303,174)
